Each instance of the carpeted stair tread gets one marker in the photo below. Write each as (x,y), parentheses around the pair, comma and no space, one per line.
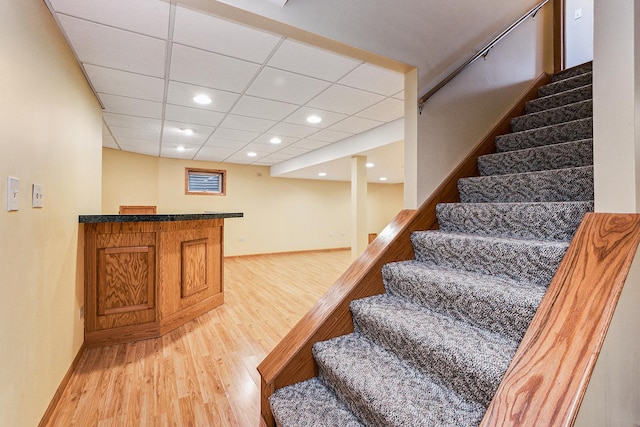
(587,67)
(582,93)
(500,305)
(566,113)
(470,360)
(560,185)
(566,84)
(310,403)
(547,157)
(397,394)
(536,220)
(554,134)
(528,261)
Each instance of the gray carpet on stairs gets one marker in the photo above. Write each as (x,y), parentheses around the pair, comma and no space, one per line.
(432,350)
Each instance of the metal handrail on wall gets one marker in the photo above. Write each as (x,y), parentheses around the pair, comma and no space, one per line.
(481,53)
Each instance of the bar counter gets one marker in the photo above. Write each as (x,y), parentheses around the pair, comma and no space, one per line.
(146,275)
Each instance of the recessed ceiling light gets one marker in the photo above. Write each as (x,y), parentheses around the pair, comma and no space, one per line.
(322,174)
(383,178)
(275,140)
(186,131)
(369,165)
(180,148)
(314,119)
(202,99)
(252,154)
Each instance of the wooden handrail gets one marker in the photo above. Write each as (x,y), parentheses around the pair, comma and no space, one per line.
(291,360)
(550,371)
(481,53)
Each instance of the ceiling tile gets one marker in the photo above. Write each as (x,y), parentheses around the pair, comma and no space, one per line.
(328,118)
(194,66)
(293,151)
(375,79)
(242,157)
(132,122)
(221,36)
(313,145)
(107,139)
(355,125)
(174,131)
(224,144)
(150,17)
(266,139)
(172,151)
(142,146)
(285,86)
(386,111)
(292,130)
(263,108)
(276,158)
(311,61)
(262,148)
(247,123)
(135,133)
(117,82)
(399,95)
(183,94)
(110,47)
(131,106)
(328,135)
(214,154)
(343,99)
(178,113)
(235,134)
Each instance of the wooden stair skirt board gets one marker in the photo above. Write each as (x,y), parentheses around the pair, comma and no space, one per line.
(291,360)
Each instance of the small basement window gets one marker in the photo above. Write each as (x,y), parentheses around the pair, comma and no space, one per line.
(205,181)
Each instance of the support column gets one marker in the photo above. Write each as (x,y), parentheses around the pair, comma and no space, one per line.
(411,140)
(616,111)
(359,240)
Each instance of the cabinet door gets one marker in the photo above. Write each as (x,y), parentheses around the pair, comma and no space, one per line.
(190,268)
(121,280)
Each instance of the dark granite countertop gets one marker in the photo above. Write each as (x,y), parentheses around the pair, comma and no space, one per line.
(93,219)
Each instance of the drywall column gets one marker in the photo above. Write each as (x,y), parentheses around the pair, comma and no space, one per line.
(411,139)
(359,239)
(616,110)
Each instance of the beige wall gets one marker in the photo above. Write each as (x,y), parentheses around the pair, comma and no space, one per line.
(50,135)
(457,118)
(280,214)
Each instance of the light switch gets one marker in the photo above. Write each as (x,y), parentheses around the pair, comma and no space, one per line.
(577,14)
(13,190)
(37,195)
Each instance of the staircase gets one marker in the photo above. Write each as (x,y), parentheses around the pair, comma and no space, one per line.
(432,350)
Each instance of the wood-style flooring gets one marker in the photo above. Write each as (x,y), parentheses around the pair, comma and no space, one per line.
(203,373)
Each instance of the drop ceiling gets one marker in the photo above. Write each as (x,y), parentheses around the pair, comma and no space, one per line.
(147,59)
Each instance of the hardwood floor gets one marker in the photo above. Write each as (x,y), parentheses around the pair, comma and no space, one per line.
(203,373)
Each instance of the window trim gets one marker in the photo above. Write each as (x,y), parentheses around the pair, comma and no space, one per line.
(223,177)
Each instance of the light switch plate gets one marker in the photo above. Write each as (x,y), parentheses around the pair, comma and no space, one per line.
(13,190)
(577,14)
(37,196)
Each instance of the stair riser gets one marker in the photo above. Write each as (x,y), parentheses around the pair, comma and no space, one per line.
(577,111)
(514,260)
(430,355)
(572,72)
(345,364)
(554,101)
(557,156)
(555,134)
(547,186)
(556,221)
(565,85)
(498,306)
